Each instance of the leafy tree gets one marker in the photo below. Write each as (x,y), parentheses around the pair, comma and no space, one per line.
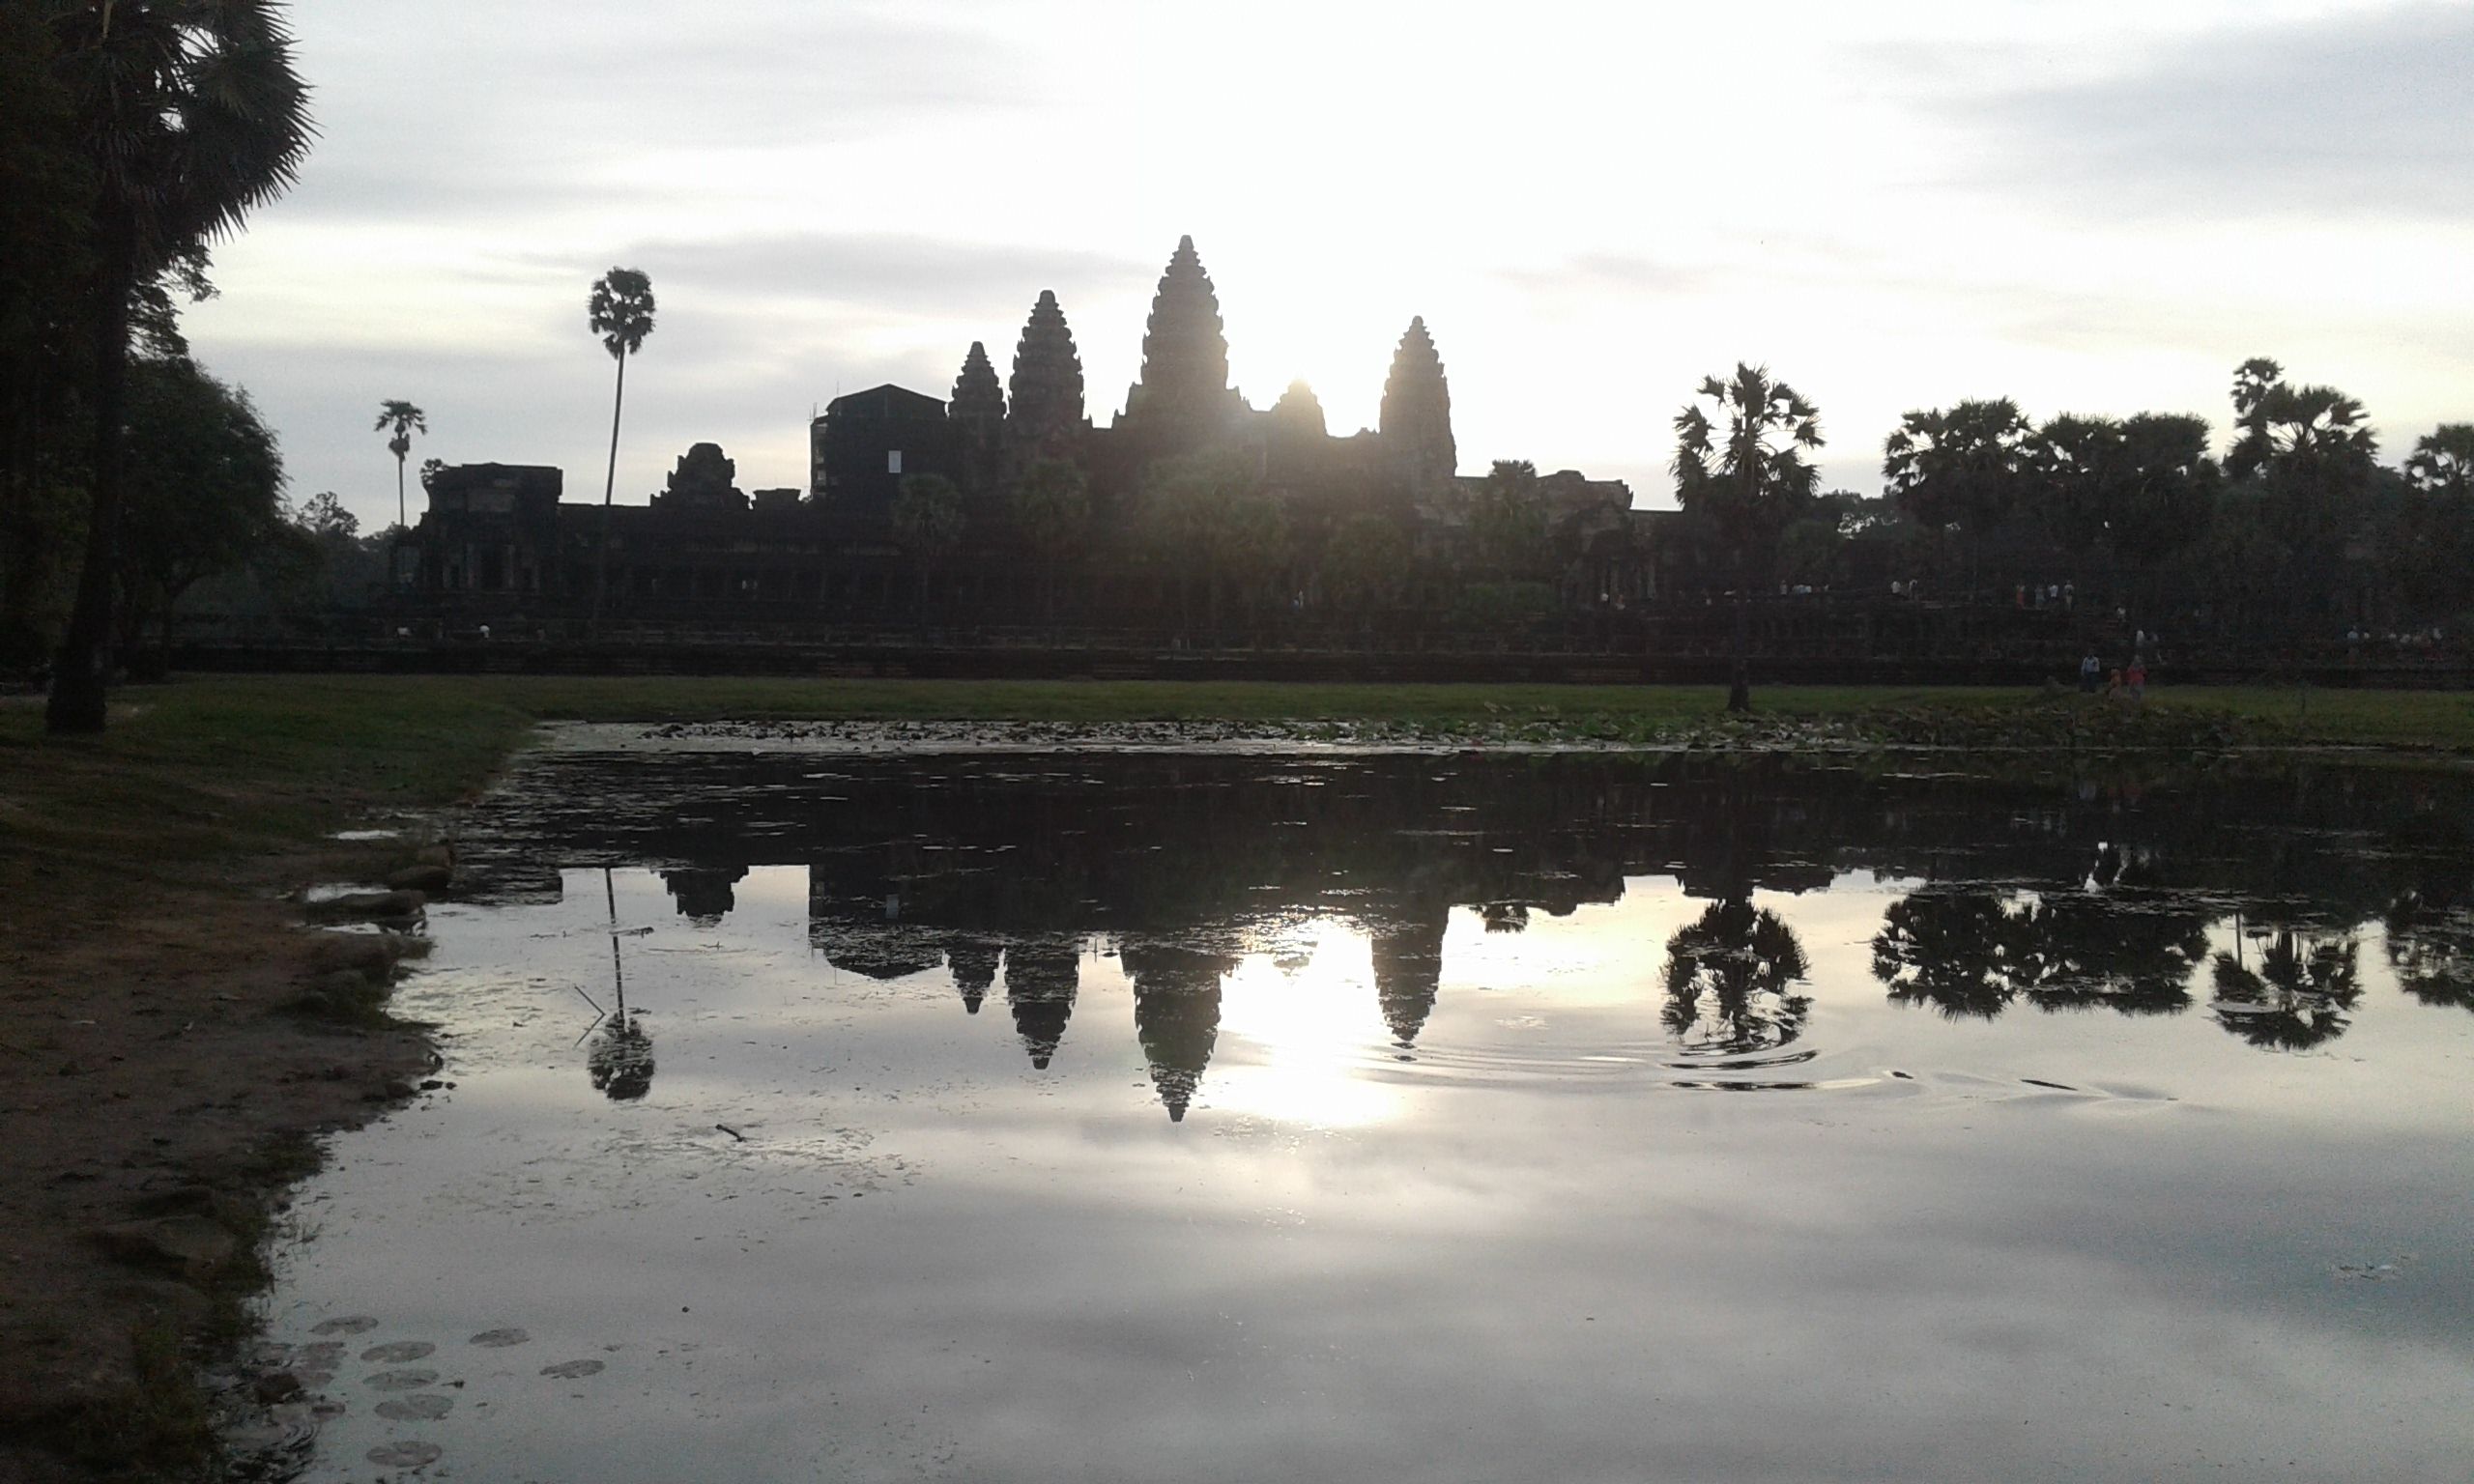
(1508,523)
(2443,460)
(404,421)
(325,515)
(188,116)
(204,487)
(2309,454)
(621,313)
(2137,491)
(1748,483)
(1958,469)
(1211,523)
(1053,504)
(927,522)
(1365,559)
(46,235)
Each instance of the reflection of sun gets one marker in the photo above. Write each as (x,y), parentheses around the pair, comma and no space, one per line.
(1296,1042)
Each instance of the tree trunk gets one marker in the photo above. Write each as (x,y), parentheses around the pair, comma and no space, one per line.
(609,486)
(77,691)
(1739,668)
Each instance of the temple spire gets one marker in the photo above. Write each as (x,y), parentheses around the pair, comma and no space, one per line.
(978,406)
(1417,411)
(1185,354)
(1047,385)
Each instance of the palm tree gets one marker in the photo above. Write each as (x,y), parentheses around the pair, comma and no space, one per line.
(405,419)
(190,115)
(927,523)
(1052,502)
(1750,484)
(621,314)
(1960,468)
(2443,459)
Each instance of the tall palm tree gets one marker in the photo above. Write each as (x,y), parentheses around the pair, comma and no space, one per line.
(405,419)
(190,115)
(1750,484)
(621,314)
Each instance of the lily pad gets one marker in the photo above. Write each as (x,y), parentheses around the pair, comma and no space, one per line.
(570,1370)
(401,1381)
(499,1339)
(397,1353)
(356,1323)
(404,1455)
(427,1407)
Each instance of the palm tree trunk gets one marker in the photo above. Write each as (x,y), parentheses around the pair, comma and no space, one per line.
(1738,666)
(77,695)
(399,491)
(609,486)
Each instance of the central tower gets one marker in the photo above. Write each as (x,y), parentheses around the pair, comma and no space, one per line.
(1184,397)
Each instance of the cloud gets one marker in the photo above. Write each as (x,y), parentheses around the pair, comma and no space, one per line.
(577,105)
(2346,116)
(887,270)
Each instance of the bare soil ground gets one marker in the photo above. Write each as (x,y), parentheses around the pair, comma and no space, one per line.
(156,1092)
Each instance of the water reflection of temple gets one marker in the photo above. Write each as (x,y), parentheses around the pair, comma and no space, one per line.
(2247,896)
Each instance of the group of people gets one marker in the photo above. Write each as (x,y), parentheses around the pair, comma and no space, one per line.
(2130,681)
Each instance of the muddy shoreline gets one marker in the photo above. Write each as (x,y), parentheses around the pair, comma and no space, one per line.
(162,1085)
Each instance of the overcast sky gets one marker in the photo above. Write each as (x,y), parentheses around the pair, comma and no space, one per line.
(2100,208)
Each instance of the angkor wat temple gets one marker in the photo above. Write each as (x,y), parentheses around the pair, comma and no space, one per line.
(497,542)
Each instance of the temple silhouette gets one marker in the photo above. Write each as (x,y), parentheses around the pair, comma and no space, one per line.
(498,540)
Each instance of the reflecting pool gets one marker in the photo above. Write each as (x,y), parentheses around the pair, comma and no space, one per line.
(1051,1116)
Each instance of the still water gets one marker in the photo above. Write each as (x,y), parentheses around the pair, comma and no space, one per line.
(1079,1116)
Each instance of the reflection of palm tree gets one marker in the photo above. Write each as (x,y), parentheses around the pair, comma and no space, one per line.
(1040,982)
(2296,998)
(1505,916)
(1728,977)
(1950,949)
(2431,945)
(2090,949)
(1176,1016)
(622,1060)
(1971,952)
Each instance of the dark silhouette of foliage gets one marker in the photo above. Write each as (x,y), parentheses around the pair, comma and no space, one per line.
(927,522)
(1211,523)
(1508,523)
(188,115)
(1961,470)
(1051,501)
(1739,466)
(1365,561)
(2443,460)
(204,487)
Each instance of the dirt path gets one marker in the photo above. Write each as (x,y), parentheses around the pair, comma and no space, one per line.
(157,1094)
